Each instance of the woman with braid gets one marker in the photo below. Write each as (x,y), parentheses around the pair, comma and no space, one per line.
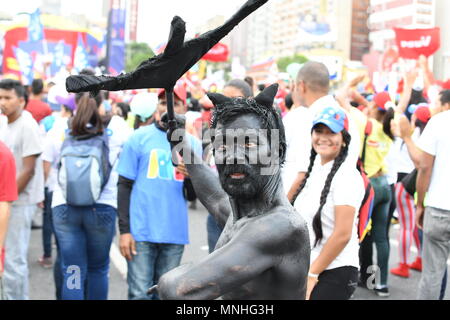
(328,200)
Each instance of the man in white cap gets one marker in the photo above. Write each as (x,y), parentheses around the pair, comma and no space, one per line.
(143,106)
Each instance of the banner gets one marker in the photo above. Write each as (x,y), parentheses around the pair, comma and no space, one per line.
(415,42)
(116,38)
(81,56)
(218,53)
(61,45)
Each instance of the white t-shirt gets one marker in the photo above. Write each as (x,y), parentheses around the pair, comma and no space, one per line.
(3,126)
(52,144)
(118,133)
(297,126)
(355,143)
(402,160)
(435,140)
(23,138)
(347,188)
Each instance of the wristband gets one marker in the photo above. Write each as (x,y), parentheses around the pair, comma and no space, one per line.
(313,275)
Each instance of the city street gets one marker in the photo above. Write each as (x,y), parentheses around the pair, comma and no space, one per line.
(42,287)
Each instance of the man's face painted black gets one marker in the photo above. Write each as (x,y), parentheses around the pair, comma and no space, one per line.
(239,146)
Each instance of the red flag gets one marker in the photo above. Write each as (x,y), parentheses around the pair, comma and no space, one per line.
(415,42)
(218,53)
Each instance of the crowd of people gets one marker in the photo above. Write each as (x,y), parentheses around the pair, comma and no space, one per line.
(99,163)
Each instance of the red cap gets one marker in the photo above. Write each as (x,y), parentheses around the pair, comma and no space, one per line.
(444,85)
(423,114)
(382,99)
(179,91)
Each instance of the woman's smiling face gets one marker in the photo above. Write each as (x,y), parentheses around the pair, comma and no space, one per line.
(326,143)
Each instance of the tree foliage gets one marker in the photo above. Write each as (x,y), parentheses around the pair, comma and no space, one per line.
(285,61)
(136,53)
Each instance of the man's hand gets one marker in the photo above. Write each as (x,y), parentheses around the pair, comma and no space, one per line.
(355,81)
(312,282)
(410,77)
(181,168)
(420,212)
(127,246)
(404,127)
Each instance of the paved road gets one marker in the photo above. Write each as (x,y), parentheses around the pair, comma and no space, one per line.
(42,287)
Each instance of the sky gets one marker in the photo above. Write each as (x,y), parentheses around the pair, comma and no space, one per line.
(154,15)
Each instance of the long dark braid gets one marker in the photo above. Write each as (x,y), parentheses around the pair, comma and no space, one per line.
(317,221)
(312,158)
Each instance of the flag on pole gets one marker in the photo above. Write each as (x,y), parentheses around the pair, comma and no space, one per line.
(81,60)
(25,64)
(35,28)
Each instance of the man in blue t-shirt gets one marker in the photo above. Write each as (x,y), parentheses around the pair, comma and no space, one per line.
(153,220)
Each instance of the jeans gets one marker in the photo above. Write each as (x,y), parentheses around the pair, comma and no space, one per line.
(84,236)
(150,263)
(15,276)
(47,224)
(380,222)
(435,252)
(214,232)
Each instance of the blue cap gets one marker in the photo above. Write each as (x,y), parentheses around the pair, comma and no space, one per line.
(333,117)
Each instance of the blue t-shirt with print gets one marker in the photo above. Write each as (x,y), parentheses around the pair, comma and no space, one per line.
(158,209)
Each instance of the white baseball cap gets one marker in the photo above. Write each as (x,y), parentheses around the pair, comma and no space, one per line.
(144,104)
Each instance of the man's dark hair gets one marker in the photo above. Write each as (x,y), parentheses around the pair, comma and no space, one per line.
(87,72)
(250,81)
(125,109)
(417,97)
(445,97)
(37,87)
(261,87)
(316,76)
(8,84)
(269,117)
(241,85)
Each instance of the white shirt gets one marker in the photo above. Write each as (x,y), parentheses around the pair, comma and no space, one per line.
(24,139)
(355,143)
(435,140)
(52,144)
(118,133)
(403,161)
(297,126)
(347,189)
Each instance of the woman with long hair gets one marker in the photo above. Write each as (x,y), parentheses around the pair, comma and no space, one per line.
(377,146)
(85,233)
(329,199)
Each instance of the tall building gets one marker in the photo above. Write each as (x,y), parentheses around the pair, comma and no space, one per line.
(259,41)
(442,57)
(360,43)
(387,14)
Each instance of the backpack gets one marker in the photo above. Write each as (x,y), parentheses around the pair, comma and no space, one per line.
(84,168)
(366,208)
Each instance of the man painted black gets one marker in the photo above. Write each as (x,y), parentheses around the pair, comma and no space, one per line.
(263,252)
